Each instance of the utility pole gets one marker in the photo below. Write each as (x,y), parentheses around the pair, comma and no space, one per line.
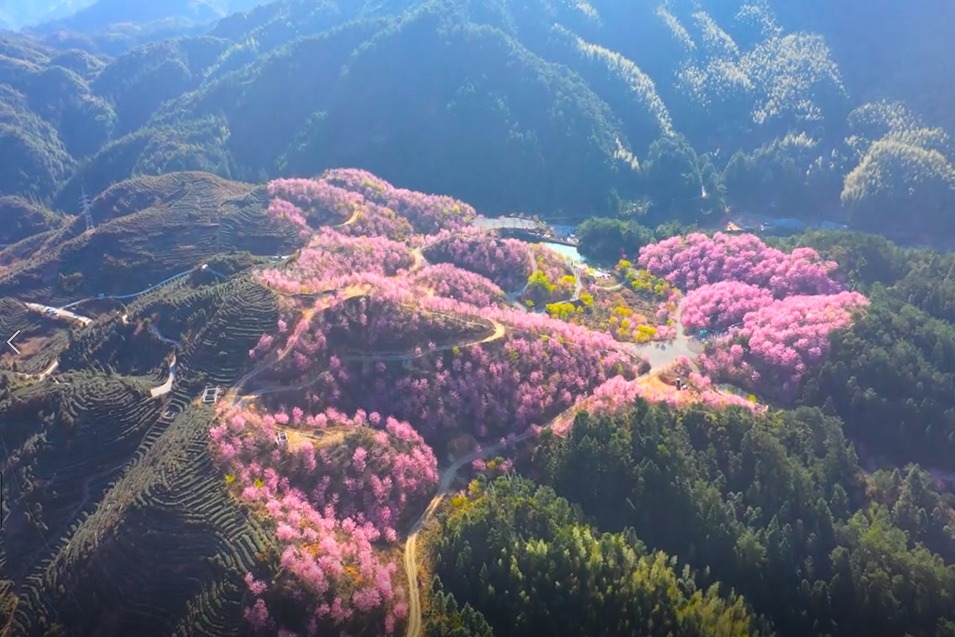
(85,203)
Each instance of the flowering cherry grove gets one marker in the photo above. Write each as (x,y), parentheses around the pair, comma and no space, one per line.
(440,363)
(778,343)
(337,509)
(427,214)
(771,312)
(718,306)
(331,255)
(396,337)
(449,281)
(506,262)
(361,204)
(697,259)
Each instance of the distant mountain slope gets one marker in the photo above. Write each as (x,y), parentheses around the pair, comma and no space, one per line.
(113,27)
(903,51)
(673,110)
(102,14)
(15,14)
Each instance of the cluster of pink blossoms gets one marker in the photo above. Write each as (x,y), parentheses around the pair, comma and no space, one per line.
(496,369)
(310,203)
(506,262)
(331,255)
(497,390)
(361,204)
(720,305)
(696,260)
(452,282)
(428,214)
(337,510)
(618,393)
(777,344)
(771,312)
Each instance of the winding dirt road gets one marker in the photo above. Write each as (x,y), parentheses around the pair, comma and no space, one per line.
(166,387)
(42,375)
(612,288)
(278,356)
(500,330)
(49,370)
(317,437)
(244,399)
(420,262)
(352,219)
(155,332)
(415,625)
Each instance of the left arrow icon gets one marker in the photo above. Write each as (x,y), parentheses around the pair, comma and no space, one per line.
(12,346)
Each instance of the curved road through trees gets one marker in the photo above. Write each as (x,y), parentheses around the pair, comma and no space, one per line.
(500,330)
(415,625)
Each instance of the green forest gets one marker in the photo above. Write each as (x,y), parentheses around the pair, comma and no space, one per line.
(666,111)
(699,523)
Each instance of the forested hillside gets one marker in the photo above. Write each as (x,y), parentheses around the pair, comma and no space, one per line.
(661,110)
(272,370)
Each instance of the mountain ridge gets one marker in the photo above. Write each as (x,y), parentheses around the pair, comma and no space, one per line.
(741,106)
(100,15)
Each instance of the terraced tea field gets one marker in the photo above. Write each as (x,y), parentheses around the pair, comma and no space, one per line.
(100,477)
